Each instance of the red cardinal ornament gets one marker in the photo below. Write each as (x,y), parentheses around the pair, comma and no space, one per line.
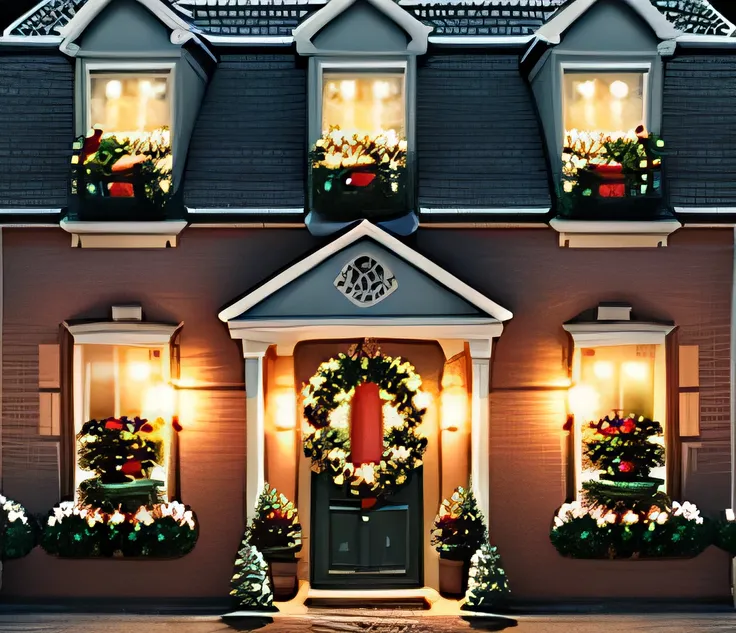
(91,145)
(133,468)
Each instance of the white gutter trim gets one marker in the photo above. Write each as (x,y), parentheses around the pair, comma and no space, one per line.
(616,227)
(706,210)
(251,211)
(469,40)
(6,211)
(489,211)
(32,40)
(235,40)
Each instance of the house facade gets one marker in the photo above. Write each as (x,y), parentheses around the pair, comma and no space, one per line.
(203,202)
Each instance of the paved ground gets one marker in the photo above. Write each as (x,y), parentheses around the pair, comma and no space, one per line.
(700,623)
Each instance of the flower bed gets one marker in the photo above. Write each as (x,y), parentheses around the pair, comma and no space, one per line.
(355,177)
(17,530)
(167,530)
(584,532)
(602,172)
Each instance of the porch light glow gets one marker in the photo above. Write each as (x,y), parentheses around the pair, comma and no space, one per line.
(347,90)
(583,402)
(619,89)
(587,89)
(603,370)
(113,89)
(636,370)
(139,372)
(285,409)
(159,402)
(454,407)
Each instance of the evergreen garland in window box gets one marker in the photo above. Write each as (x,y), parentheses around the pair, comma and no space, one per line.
(18,531)
(622,514)
(168,530)
(356,177)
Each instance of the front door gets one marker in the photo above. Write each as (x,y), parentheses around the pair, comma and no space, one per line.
(353,548)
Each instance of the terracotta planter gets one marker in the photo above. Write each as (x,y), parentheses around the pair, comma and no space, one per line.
(283,579)
(453,577)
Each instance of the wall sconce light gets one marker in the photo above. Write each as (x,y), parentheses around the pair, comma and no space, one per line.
(454,407)
(159,402)
(285,409)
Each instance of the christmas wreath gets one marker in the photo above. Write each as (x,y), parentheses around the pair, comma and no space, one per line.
(327,400)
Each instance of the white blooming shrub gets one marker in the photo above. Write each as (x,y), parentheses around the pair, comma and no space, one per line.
(17,530)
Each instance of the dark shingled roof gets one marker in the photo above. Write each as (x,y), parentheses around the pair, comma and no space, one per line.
(472,18)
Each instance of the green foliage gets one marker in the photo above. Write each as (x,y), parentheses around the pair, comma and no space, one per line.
(117,450)
(18,531)
(459,529)
(488,585)
(275,530)
(725,536)
(329,447)
(250,586)
(622,448)
(587,538)
(164,531)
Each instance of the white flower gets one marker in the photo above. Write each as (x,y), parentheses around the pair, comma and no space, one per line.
(730,516)
(662,518)
(117,518)
(688,511)
(630,518)
(51,522)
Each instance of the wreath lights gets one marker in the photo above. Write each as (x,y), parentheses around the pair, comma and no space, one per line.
(327,400)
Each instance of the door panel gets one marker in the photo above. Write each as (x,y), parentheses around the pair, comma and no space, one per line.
(356,548)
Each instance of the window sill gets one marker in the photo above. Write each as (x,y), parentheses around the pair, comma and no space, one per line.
(124,234)
(614,234)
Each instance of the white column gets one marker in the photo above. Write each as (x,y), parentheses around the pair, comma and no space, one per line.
(255,424)
(733,409)
(480,353)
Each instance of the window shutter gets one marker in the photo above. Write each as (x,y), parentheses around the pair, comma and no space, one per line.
(689,391)
(49,387)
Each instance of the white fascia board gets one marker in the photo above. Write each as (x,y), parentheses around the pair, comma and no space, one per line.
(32,40)
(479,211)
(251,211)
(247,40)
(366,230)
(165,227)
(137,333)
(84,17)
(612,333)
(29,211)
(417,31)
(615,227)
(706,210)
(475,40)
(560,22)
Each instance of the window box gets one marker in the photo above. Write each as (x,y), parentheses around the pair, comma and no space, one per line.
(118,177)
(359,178)
(610,178)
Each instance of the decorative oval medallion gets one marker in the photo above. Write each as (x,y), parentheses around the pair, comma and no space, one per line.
(366,281)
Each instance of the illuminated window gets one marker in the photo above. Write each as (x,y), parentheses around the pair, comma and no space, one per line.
(621,380)
(117,381)
(611,103)
(129,103)
(364,103)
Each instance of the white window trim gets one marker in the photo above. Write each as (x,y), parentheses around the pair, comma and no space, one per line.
(376,65)
(616,334)
(130,334)
(128,67)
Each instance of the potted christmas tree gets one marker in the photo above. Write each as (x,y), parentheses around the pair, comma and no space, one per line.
(458,532)
(122,452)
(488,585)
(250,587)
(623,452)
(276,532)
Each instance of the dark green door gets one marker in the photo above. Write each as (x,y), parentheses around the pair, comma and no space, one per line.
(362,549)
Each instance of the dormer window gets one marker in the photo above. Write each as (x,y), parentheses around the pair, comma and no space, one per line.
(122,167)
(610,162)
(359,160)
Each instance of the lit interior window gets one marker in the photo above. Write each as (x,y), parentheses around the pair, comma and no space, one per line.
(618,380)
(129,103)
(127,381)
(602,102)
(365,104)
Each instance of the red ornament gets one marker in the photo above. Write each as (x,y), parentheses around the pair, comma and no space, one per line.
(147,428)
(121,190)
(132,467)
(360,179)
(114,425)
(366,425)
(628,426)
(175,424)
(367,503)
(626,467)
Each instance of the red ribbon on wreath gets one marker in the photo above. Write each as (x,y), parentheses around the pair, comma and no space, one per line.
(366,429)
